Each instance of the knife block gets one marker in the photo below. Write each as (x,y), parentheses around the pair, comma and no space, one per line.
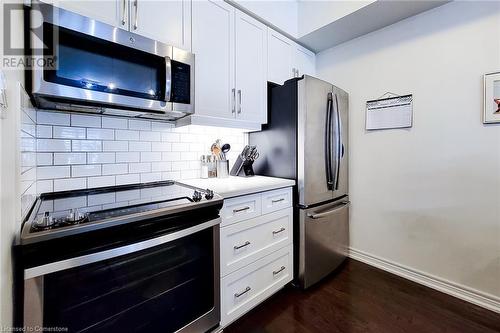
(242,165)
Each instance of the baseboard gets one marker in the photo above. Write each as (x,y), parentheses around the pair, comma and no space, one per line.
(484,300)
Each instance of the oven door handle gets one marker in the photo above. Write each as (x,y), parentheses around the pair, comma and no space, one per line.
(57,266)
(168,79)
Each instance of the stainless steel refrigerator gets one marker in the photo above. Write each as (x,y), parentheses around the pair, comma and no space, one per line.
(306,139)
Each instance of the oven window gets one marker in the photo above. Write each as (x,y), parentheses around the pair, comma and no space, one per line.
(95,64)
(155,290)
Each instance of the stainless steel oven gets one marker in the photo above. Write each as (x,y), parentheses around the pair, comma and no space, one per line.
(151,267)
(90,66)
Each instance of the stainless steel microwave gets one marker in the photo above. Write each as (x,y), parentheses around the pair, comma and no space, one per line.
(90,66)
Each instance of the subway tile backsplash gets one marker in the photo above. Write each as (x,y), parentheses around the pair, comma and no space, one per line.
(28,156)
(77,151)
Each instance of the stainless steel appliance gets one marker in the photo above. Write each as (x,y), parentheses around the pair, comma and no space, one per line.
(306,139)
(99,68)
(139,258)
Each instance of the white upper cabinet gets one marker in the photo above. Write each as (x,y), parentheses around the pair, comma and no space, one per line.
(304,61)
(168,22)
(251,68)
(279,57)
(215,92)
(287,59)
(112,12)
(231,67)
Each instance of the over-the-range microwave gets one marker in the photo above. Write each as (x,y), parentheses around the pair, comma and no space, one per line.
(90,66)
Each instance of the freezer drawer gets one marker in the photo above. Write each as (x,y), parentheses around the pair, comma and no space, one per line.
(324,240)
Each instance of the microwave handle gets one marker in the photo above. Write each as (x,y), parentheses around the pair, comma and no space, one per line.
(168,79)
(136,21)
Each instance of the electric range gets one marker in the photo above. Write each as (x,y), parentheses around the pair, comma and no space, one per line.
(124,258)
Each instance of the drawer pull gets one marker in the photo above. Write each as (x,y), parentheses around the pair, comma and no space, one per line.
(237,247)
(278,200)
(241,209)
(279,270)
(247,289)
(278,231)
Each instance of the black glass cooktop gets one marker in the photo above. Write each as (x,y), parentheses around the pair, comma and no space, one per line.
(72,208)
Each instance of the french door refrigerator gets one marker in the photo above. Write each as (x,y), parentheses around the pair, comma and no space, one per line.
(306,139)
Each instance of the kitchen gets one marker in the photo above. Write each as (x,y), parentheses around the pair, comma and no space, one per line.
(250,129)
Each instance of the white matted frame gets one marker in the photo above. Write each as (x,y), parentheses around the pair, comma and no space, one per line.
(491,104)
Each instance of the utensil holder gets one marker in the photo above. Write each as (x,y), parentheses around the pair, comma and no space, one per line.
(223,169)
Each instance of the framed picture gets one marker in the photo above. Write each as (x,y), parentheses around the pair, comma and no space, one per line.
(491,98)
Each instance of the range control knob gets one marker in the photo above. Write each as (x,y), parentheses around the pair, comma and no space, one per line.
(45,221)
(197,196)
(209,195)
(75,216)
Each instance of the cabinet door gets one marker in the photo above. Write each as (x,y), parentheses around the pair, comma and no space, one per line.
(213,46)
(305,61)
(113,12)
(165,21)
(251,68)
(280,56)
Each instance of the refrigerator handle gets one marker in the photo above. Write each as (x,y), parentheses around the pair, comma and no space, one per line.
(339,148)
(328,142)
(343,205)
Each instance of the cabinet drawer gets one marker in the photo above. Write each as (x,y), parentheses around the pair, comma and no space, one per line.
(243,243)
(276,200)
(241,208)
(249,286)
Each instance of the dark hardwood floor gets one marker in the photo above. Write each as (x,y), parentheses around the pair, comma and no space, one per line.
(361,298)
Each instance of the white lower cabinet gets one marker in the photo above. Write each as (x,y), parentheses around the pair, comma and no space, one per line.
(249,240)
(249,286)
(241,208)
(256,250)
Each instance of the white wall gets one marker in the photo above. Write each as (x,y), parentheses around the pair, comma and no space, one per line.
(427,197)
(314,14)
(300,17)
(9,190)
(281,13)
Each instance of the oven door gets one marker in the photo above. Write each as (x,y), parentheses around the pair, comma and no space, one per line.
(104,66)
(164,284)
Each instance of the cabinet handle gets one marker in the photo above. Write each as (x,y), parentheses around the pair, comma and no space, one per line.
(239,101)
(233,101)
(237,247)
(247,289)
(279,270)
(124,2)
(136,21)
(278,200)
(278,231)
(240,209)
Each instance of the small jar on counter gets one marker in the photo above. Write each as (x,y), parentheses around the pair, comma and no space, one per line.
(212,166)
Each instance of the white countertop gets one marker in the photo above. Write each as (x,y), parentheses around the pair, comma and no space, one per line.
(236,186)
